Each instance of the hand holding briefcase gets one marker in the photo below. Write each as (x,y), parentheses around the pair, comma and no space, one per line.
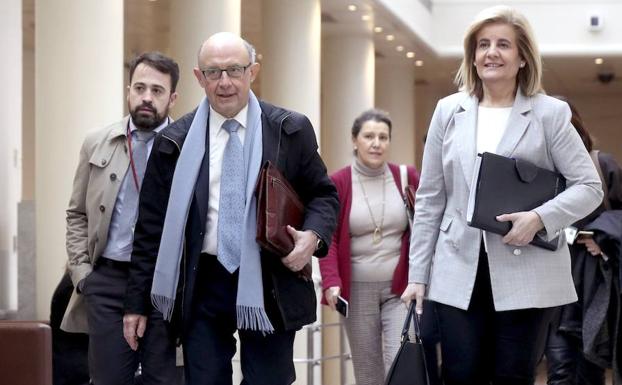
(278,205)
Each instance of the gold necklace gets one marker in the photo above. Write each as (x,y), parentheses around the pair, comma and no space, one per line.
(377,236)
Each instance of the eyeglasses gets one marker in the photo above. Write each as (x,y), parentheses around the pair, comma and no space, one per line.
(234,71)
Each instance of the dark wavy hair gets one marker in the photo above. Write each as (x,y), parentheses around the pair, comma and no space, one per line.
(373,115)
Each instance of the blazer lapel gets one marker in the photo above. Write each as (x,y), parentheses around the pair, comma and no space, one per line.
(465,121)
(516,126)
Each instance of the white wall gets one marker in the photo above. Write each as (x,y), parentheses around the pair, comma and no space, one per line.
(79,87)
(10,132)
(413,14)
(561,26)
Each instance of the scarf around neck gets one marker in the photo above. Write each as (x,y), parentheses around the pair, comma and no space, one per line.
(250,307)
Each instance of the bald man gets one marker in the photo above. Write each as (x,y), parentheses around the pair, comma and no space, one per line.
(195,255)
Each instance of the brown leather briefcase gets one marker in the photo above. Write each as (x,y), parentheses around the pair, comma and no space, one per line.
(278,205)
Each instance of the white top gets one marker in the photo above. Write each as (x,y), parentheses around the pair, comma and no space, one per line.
(217,141)
(491,124)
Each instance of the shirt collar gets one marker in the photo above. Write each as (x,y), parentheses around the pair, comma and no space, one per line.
(165,123)
(217,119)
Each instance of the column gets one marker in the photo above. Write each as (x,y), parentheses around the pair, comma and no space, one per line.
(395,93)
(79,86)
(290,77)
(192,22)
(10,131)
(348,70)
(290,72)
(347,90)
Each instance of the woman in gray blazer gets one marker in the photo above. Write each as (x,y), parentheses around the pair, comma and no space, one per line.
(494,293)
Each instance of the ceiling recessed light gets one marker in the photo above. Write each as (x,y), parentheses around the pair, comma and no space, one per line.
(419,63)
(410,54)
(399,48)
(598,60)
(377,29)
(365,17)
(352,8)
(390,37)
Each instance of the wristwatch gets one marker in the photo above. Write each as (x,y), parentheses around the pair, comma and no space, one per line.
(319,243)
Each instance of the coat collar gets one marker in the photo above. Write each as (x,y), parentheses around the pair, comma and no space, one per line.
(465,120)
(119,129)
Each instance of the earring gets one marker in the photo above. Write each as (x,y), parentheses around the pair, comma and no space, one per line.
(522,64)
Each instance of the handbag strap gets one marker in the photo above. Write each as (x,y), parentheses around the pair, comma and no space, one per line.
(594,156)
(412,315)
(403,178)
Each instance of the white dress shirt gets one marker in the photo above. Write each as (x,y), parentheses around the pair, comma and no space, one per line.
(217,141)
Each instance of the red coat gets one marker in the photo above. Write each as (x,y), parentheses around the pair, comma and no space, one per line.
(336,266)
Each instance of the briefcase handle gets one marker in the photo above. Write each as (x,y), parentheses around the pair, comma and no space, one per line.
(412,315)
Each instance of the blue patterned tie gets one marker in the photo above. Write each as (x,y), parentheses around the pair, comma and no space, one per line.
(232,199)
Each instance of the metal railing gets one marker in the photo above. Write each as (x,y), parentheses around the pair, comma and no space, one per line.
(312,362)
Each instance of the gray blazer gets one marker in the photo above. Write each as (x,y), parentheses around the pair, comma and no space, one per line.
(444,250)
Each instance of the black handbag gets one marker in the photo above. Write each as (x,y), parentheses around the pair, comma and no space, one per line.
(408,367)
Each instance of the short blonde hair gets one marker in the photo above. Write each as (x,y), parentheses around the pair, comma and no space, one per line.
(529,77)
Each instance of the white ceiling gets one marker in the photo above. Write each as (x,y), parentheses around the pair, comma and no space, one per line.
(569,75)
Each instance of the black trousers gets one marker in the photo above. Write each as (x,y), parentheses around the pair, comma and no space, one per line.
(566,364)
(111,361)
(209,344)
(483,346)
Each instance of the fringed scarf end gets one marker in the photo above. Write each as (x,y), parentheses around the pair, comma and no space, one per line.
(253,318)
(164,305)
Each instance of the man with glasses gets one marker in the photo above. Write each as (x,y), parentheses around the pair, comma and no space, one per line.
(196,231)
(100,224)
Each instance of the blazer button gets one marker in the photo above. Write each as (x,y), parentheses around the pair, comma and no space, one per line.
(113,177)
(102,208)
(517,252)
(104,162)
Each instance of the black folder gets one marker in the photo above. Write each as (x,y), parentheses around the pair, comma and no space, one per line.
(506,185)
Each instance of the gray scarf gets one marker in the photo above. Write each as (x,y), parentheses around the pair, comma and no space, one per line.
(250,308)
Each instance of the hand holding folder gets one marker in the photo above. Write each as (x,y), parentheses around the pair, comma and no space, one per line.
(504,185)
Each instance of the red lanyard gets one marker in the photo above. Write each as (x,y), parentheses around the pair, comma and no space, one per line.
(129,145)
